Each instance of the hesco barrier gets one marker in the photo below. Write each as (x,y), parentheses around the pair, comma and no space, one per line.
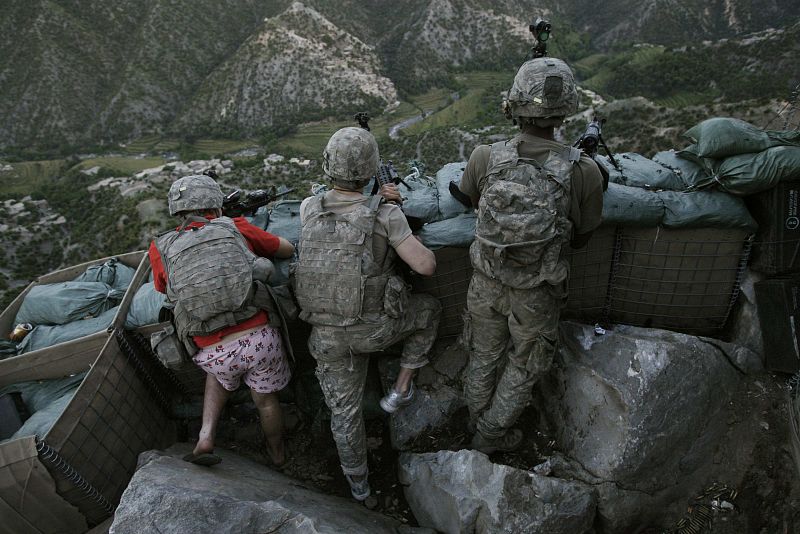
(449,285)
(679,279)
(88,346)
(190,379)
(74,476)
(90,452)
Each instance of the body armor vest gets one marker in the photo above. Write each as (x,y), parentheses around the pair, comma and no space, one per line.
(209,277)
(523,221)
(337,280)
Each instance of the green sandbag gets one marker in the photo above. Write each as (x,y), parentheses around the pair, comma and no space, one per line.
(284,221)
(38,394)
(420,198)
(705,209)
(112,272)
(145,307)
(46,400)
(748,174)
(449,207)
(632,206)
(66,302)
(638,171)
(42,337)
(456,232)
(722,137)
(685,165)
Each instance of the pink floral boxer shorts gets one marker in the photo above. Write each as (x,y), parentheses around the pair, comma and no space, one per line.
(257,356)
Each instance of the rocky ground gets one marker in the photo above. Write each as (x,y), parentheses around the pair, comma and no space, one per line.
(745,481)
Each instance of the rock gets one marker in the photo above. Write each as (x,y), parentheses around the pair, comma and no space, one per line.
(464,492)
(435,401)
(640,411)
(746,327)
(167,494)
(636,405)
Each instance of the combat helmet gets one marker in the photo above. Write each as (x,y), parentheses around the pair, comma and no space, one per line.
(195,192)
(543,87)
(351,155)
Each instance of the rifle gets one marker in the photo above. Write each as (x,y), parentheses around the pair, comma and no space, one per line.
(590,140)
(387,174)
(233,205)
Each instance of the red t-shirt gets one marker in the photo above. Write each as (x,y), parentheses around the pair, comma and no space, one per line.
(262,243)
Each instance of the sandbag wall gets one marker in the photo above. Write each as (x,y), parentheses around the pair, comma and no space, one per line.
(95,338)
(83,463)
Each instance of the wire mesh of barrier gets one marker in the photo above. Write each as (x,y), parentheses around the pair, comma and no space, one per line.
(113,417)
(449,285)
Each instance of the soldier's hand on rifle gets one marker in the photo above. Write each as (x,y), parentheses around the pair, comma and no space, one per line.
(391,193)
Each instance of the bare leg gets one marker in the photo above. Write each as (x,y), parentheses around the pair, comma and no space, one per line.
(214,401)
(269,408)
(403,381)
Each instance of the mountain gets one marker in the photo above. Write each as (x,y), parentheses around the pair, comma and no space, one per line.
(88,73)
(91,71)
(675,22)
(297,64)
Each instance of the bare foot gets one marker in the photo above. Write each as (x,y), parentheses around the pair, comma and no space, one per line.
(203,446)
(277,454)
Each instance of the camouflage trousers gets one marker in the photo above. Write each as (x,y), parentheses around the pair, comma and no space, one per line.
(341,353)
(512,336)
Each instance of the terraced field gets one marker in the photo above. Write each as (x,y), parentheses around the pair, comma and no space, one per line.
(123,166)
(27,175)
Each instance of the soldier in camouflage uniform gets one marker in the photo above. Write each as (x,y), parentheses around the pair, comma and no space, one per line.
(347,288)
(534,198)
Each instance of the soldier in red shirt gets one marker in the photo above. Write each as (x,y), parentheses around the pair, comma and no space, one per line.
(207,268)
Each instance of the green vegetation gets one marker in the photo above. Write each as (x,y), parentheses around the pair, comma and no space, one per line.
(27,175)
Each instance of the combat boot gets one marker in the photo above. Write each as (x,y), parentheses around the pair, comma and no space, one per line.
(359,489)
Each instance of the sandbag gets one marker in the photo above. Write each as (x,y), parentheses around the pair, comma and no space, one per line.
(112,272)
(748,174)
(420,198)
(65,302)
(46,401)
(449,207)
(44,336)
(722,137)
(632,206)
(456,232)
(284,220)
(685,165)
(638,171)
(145,307)
(705,209)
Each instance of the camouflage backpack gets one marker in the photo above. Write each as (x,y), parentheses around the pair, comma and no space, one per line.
(523,217)
(336,279)
(210,277)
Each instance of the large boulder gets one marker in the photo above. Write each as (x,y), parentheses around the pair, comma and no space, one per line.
(639,413)
(463,492)
(237,496)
